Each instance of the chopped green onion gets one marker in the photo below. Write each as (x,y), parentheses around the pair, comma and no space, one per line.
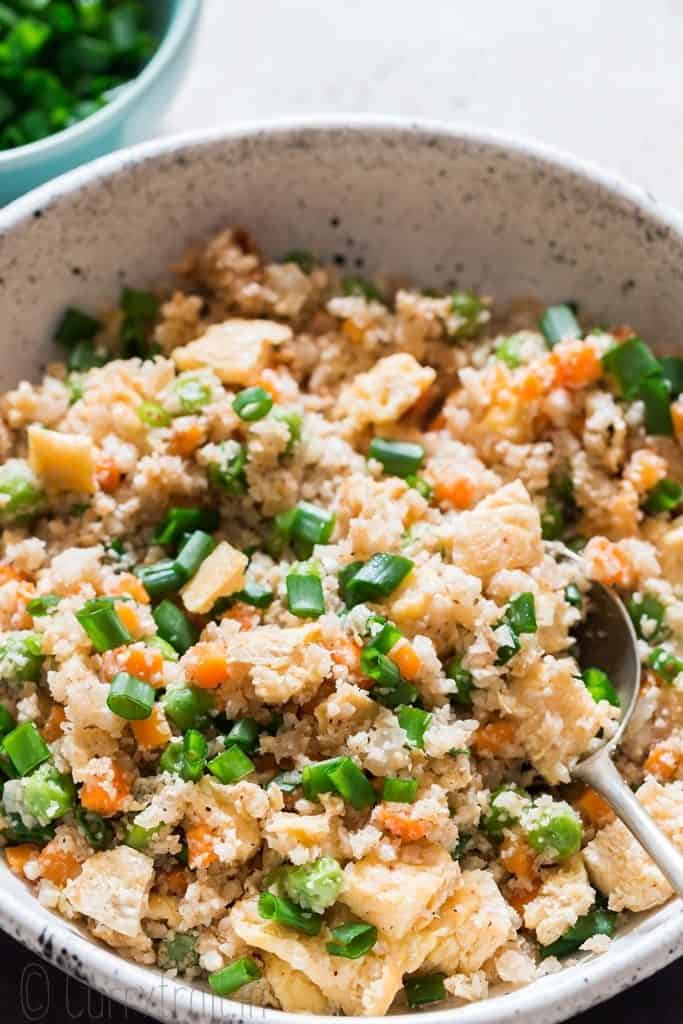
(75,326)
(414,722)
(344,577)
(508,352)
(559,323)
(573,595)
(194,756)
(379,667)
(99,620)
(648,615)
(140,309)
(194,551)
(7,723)
(510,645)
(245,734)
(168,653)
(521,613)
(363,288)
(665,664)
(84,356)
(303,258)
(17,832)
(630,364)
(171,759)
(672,370)
(130,698)
(229,474)
(180,521)
(97,831)
(461,846)
(192,393)
(187,707)
(502,812)
(666,496)
(21,657)
(351,784)
(287,781)
(596,922)
(293,421)
(161,578)
(377,578)
(314,886)
(463,679)
(255,594)
(399,791)
(552,520)
(656,397)
(47,795)
(25,748)
(21,496)
(600,686)
(305,597)
(252,404)
(398,458)
(285,912)
(231,978)
(557,833)
(154,415)
(231,765)
(180,952)
(424,988)
(422,486)
(174,626)
(42,605)
(352,940)
(468,307)
(139,838)
(308,526)
(315,778)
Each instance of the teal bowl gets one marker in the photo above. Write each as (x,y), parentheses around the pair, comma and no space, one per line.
(130,117)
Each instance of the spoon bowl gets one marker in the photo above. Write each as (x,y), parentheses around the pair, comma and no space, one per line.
(607,640)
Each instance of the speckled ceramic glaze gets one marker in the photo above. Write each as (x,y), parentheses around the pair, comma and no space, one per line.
(437,204)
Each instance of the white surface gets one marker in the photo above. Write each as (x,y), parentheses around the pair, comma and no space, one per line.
(602,78)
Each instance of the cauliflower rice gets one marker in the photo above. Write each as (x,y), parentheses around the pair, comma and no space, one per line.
(289,689)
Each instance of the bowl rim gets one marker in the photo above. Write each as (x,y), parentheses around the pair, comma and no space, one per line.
(182,20)
(658,940)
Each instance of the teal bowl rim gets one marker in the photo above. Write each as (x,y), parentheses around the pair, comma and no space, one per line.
(182,22)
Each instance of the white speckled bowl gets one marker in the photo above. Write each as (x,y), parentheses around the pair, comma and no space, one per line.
(439,204)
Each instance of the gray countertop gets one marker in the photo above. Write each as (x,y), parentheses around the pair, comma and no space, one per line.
(602,78)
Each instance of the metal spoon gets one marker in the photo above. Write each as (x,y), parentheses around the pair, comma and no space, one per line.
(608,641)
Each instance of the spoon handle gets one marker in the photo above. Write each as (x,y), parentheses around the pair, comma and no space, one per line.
(601,774)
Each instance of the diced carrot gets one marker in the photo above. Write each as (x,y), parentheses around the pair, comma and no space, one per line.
(268,381)
(18,856)
(126,584)
(128,616)
(187,437)
(497,737)
(8,573)
(247,616)
(108,474)
(519,895)
(645,469)
(438,423)
(517,857)
(353,331)
(608,563)
(106,796)
(176,881)
(59,866)
(52,729)
(154,731)
(201,846)
(406,659)
(20,617)
(206,665)
(401,825)
(144,662)
(532,384)
(663,762)
(576,364)
(593,808)
(457,492)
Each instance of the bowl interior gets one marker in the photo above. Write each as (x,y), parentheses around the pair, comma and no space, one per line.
(443,208)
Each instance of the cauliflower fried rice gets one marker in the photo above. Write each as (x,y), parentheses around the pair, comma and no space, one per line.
(289,693)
